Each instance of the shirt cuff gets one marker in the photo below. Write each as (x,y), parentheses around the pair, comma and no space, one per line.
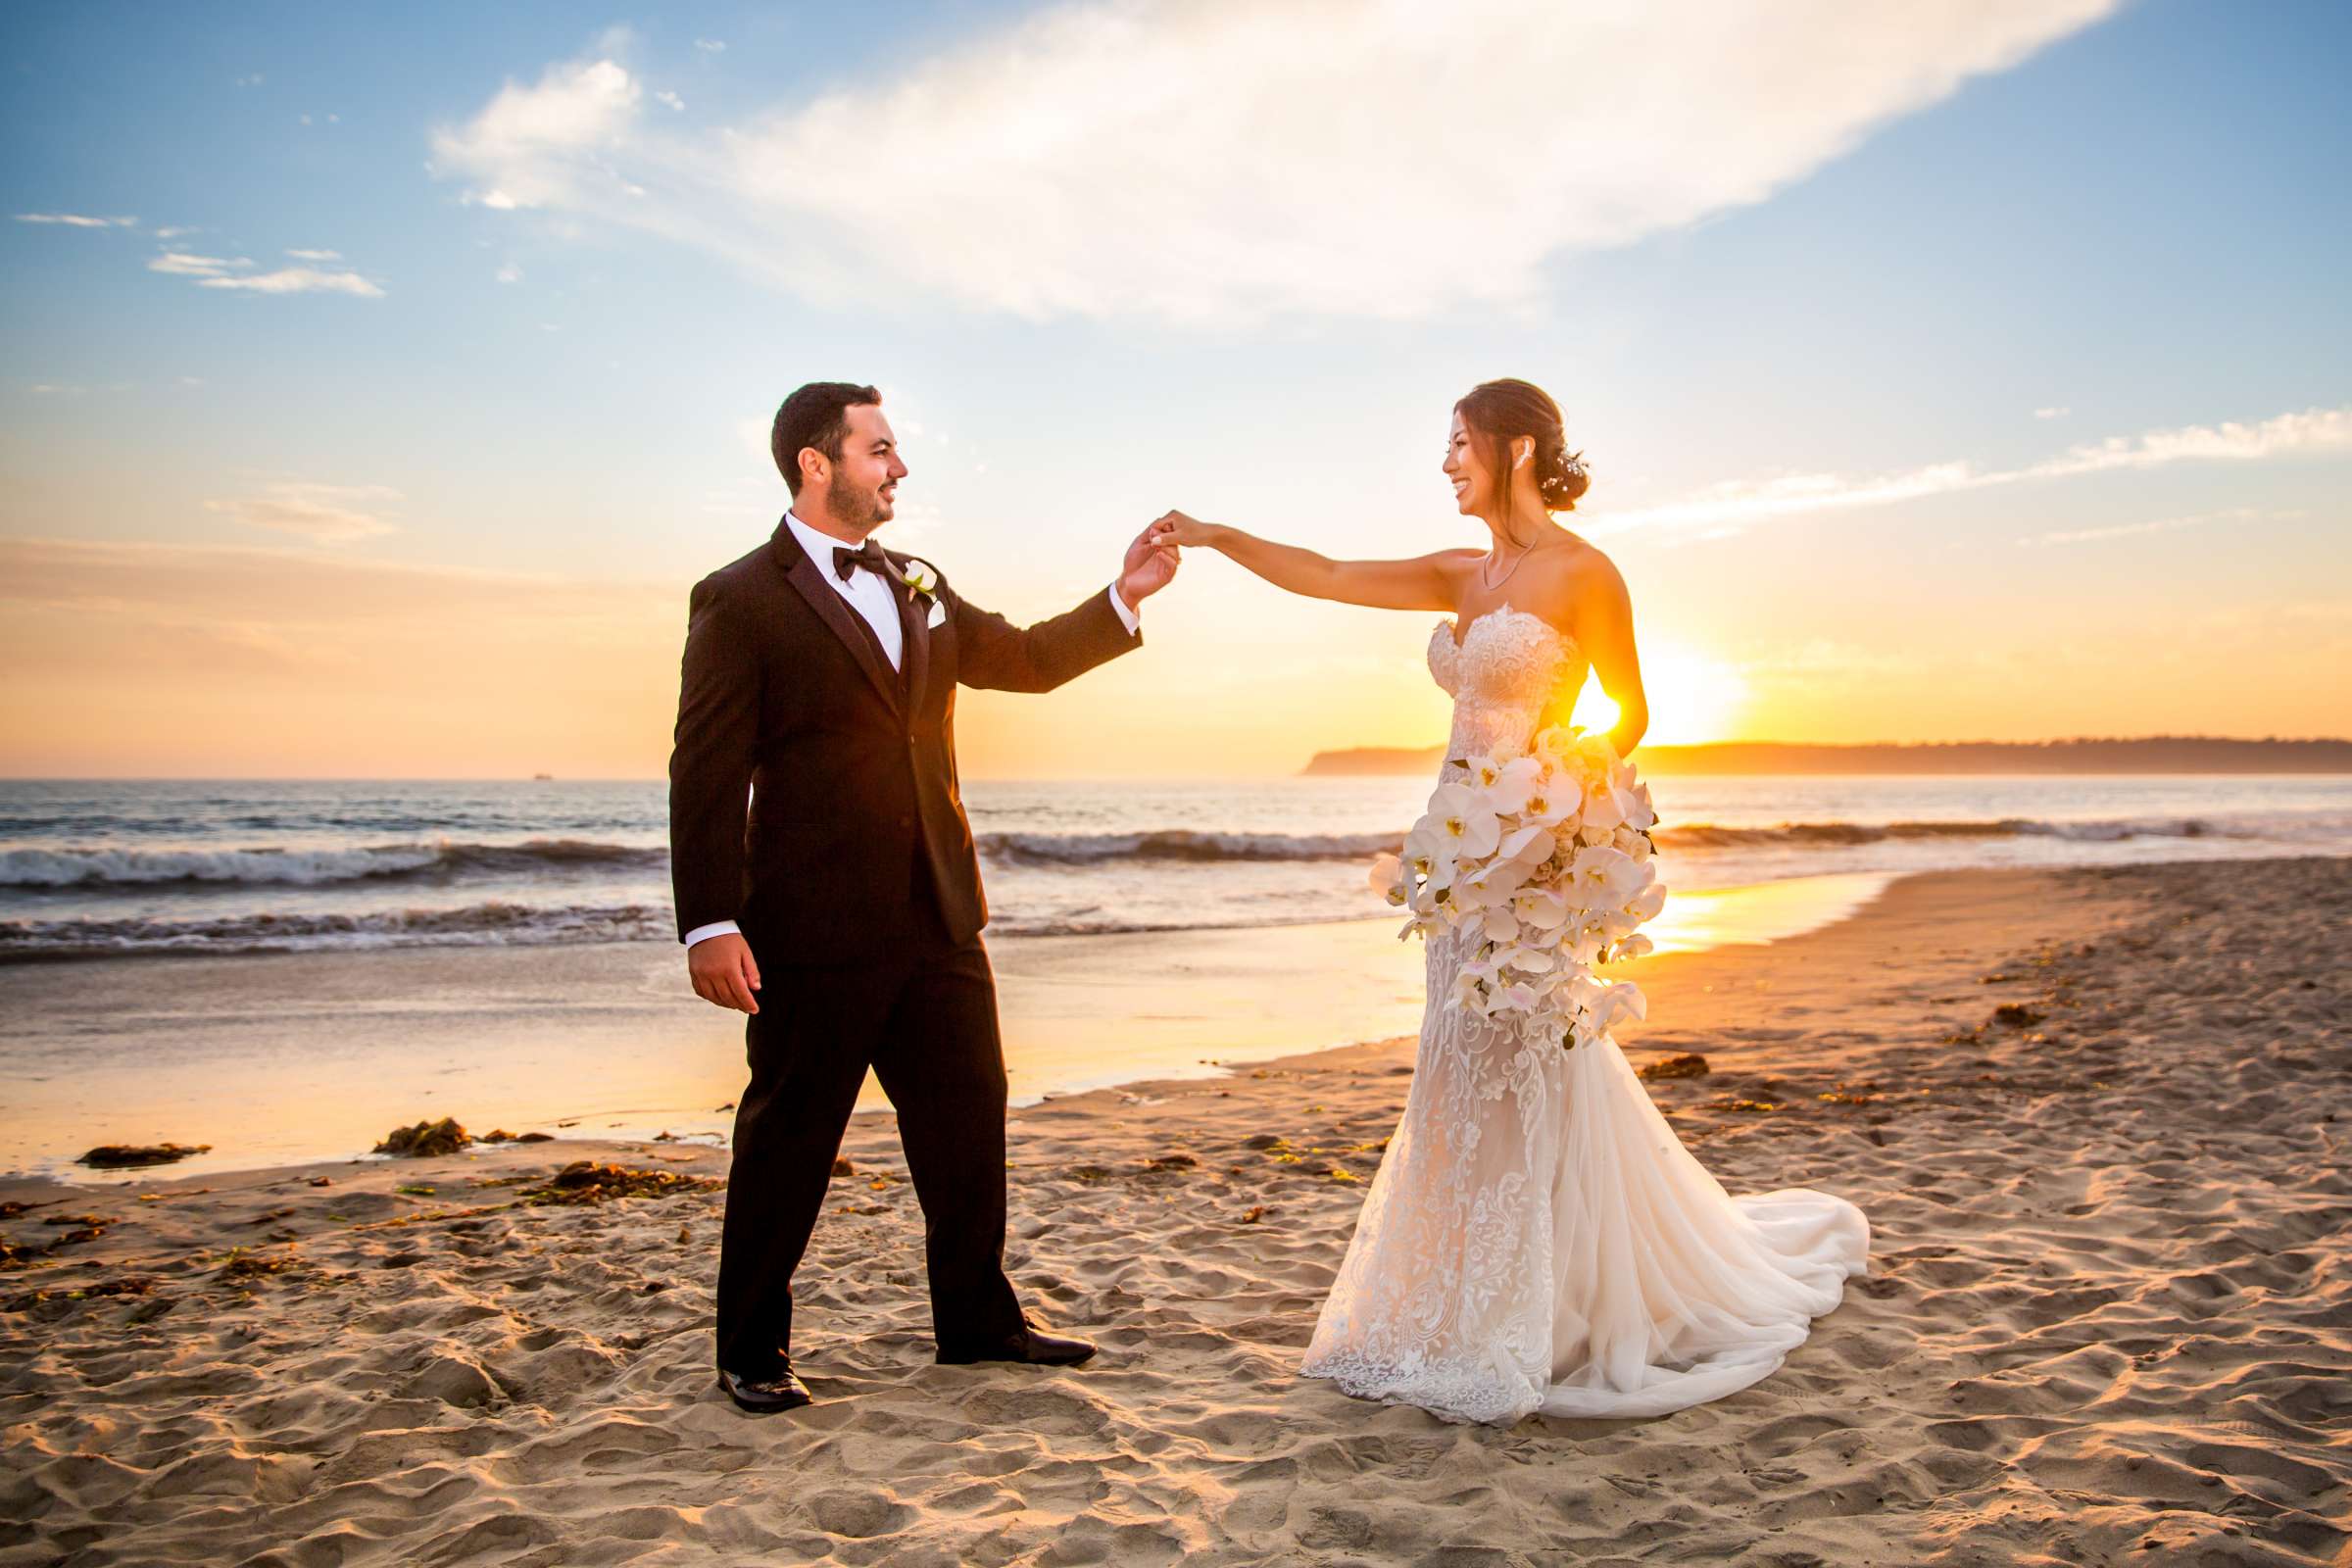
(716,928)
(1129,619)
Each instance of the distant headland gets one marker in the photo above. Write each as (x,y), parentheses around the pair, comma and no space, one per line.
(2151,753)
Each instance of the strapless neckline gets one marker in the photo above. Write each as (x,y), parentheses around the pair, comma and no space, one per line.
(1459,635)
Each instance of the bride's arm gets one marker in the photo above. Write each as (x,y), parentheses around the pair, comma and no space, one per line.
(1425,582)
(1604,630)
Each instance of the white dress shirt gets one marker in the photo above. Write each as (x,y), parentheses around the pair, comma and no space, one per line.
(874,600)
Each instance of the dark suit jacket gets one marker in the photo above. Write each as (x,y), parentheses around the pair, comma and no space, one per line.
(850,778)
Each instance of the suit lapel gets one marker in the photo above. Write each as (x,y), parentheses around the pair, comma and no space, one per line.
(914,628)
(808,576)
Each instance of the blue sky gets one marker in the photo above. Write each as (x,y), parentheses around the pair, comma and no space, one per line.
(1103,263)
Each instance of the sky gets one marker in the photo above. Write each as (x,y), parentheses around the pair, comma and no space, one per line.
(377,381)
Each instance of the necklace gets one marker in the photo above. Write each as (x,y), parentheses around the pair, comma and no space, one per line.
(1490,587)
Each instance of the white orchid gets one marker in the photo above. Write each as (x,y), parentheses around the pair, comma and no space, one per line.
(1491,923)
(1425,847)
(1469,993)
(1604,875)
(1529,846)
(1467,822)
(1494,882)
(1605,808)
(1539,908)
(1529,960)
(1507,791)
(1644,814)
(1631,947)
(1623,998)
(1516,996)
(1555,803)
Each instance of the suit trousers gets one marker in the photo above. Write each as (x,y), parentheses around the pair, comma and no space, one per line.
(924,1019)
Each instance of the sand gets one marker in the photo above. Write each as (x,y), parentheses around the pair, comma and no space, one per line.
(2109,1316)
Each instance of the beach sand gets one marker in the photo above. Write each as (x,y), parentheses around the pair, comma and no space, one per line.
(2109,1316)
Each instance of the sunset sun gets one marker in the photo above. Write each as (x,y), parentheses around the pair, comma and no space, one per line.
(1693,699)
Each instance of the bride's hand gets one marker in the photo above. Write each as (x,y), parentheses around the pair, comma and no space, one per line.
(1176,529)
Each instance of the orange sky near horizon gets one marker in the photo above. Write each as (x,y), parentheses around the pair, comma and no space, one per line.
(198,662)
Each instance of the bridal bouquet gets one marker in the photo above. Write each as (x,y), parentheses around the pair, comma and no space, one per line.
(1541,861)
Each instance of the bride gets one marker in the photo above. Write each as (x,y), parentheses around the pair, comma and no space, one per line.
(1538,1240)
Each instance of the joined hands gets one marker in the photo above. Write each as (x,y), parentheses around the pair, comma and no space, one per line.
(1177,529)
(1149,567)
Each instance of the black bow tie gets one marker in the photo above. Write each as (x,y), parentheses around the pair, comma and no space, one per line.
(867,555)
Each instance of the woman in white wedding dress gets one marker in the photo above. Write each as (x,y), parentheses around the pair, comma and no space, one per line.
(1538,1239)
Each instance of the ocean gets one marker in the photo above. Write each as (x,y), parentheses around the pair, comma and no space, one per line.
(127,868)
(286,970)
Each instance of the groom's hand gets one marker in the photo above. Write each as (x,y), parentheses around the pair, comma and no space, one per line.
(1149,567)
(723,972)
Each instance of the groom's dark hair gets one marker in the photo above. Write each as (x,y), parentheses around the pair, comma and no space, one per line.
(817,415)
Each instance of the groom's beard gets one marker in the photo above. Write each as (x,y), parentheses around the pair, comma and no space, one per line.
(861,510)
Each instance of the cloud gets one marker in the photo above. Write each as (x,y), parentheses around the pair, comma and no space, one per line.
(2052,413)
(575,109)
(325,513)
(299,280)
(251,583)
(510,273)
(672,100)
(183,265)
(2313,431)
(213,272)
(2077,536)
(1236,160)
(76,220)
(172,232)
(712,46)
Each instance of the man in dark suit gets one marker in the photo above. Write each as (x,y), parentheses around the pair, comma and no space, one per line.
(819,676)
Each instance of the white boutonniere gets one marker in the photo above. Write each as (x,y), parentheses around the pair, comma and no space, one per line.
(921,576)
(923,580)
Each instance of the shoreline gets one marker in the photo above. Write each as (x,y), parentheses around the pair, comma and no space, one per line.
(2087,1113)
(275,1053)
(1650,973)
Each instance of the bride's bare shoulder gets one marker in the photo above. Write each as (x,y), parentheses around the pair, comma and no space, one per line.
(1575,582)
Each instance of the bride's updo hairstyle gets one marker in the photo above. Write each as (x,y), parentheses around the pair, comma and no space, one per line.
(1500,412)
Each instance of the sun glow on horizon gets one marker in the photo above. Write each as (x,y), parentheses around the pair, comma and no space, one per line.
(1693,699)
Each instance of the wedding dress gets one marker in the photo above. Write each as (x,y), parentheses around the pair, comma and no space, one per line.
(1538,1239)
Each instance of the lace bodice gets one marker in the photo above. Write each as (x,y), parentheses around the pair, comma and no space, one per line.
(1509,668)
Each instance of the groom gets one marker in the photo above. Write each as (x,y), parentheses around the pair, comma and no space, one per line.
(820,676)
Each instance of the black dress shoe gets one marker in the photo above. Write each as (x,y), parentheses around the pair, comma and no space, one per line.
(767,1396)
(1031,1346)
